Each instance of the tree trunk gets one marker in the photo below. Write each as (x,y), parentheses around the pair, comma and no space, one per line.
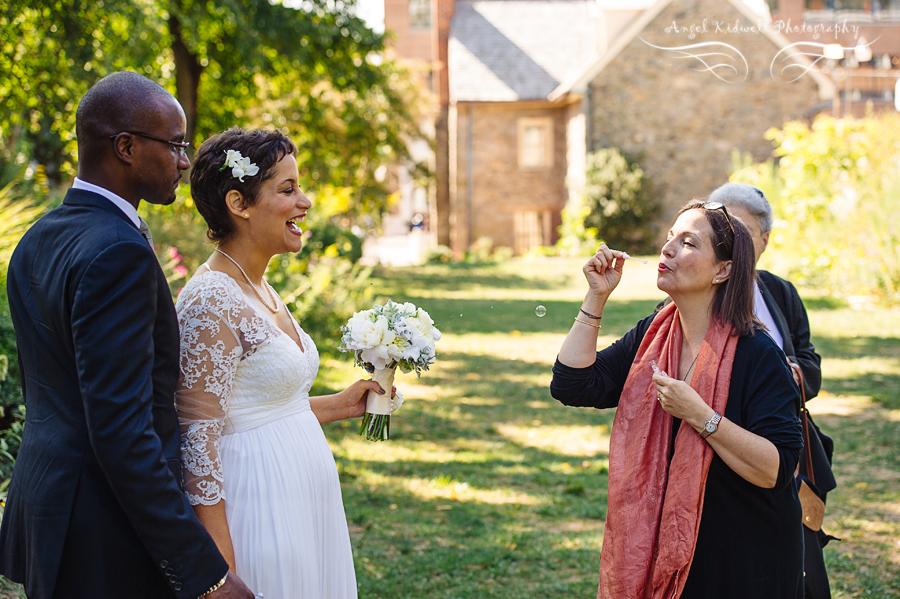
(187,77)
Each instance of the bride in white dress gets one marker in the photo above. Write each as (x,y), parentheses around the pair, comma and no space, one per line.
(257,467)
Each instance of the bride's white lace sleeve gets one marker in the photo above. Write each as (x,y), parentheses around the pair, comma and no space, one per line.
(210,352)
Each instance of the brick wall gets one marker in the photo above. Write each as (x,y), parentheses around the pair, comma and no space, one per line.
(411,43)
(488,190)
(682,124)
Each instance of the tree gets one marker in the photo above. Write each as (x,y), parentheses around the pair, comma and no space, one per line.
(314,71)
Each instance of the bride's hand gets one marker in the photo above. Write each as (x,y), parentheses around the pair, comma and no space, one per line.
(604,271)
(354,400)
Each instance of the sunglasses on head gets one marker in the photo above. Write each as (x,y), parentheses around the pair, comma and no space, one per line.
(719,206)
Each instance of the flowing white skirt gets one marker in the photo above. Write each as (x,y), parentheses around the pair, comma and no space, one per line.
(285,511)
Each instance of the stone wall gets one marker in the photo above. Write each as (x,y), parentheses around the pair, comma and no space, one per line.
(487,186)
(682,124)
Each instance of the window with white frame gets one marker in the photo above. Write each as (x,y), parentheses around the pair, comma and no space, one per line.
(420,13)
(535,140)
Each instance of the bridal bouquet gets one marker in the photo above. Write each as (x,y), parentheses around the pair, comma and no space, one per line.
(386,337)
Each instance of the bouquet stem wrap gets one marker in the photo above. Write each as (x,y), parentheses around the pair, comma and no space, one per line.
(376,423)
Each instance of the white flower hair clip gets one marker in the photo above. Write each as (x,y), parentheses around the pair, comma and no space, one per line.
(240,166)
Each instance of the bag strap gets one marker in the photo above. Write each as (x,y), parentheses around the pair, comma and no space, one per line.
(805,420)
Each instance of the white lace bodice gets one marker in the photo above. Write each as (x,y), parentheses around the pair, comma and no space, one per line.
(238,370)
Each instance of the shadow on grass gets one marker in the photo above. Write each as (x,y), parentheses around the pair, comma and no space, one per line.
(857,347)
(452,277)
(824,303)
(882,388)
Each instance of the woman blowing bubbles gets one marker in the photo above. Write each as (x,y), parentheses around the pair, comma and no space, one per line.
(703,452)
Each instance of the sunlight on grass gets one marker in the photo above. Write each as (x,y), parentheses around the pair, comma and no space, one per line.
(445,488)
(587,441)
(836,368)
(468,452)
(827,404)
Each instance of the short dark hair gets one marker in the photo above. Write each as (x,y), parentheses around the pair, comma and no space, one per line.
(210,184)
(733,303)
(121,101)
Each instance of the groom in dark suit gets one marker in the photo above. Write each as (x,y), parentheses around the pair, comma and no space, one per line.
(95,506)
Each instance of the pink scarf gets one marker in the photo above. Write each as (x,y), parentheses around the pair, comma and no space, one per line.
(654,506)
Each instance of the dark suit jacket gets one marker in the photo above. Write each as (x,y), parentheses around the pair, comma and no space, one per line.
(787,309)
(95,506)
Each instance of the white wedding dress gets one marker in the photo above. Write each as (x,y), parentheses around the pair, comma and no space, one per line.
(249,438)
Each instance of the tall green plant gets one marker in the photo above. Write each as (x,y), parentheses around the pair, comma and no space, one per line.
(835,191)
(16,216)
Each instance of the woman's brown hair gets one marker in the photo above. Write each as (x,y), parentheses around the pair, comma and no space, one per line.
(733,302)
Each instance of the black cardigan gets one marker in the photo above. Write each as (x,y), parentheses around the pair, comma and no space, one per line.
(750,542)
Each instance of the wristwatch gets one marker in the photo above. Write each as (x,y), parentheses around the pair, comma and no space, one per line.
(711,426)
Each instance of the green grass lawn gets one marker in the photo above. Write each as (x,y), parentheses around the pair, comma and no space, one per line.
(490,488)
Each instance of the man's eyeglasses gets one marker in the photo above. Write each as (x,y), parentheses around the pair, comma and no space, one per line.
(181,146)
(720,206)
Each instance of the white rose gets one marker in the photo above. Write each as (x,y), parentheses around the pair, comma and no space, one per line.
(358,325)
(377,357)
(378,334)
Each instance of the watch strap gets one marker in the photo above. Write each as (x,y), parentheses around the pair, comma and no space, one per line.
(711,425)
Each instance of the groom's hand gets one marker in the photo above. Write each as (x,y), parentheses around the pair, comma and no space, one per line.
(234,588)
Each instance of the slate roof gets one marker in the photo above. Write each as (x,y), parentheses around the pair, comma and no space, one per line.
(508,50)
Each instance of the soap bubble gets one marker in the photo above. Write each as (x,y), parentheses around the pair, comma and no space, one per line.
(540,311)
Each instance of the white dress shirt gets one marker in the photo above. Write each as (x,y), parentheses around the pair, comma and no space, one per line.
(762,314)
(120,203)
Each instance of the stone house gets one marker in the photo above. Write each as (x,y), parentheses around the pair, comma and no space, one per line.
(524,89)
(681,118)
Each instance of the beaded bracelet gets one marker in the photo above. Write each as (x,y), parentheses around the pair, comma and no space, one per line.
(589,315)
(596,326)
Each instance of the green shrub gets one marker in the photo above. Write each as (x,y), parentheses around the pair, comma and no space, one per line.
(575,237)
(835,192)
(619,198)
(480,252)
(439,254)
(16,216)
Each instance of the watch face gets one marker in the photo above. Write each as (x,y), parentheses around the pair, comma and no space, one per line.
(711,427)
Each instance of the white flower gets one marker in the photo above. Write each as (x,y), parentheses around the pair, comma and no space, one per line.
(396,401)
(377,357)
(378,334)
(240,166)
(391,335)
(232,156)
(357,326)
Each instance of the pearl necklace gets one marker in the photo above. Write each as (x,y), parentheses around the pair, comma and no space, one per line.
(255,289)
